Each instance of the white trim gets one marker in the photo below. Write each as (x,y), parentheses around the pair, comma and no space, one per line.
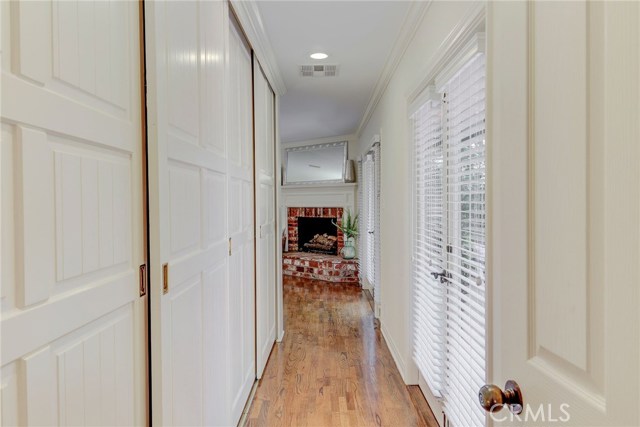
(444,72)
(318,196)
(395,353)
(374,140)
(410,25)
(428,94)
(341,186)
(455,43)
(349,138)
(473,47)
(434,403)
(248,14)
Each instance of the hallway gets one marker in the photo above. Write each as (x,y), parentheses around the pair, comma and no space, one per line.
(333,367)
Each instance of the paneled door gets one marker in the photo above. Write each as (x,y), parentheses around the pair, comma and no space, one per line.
(73,321)
(201,227)
(264,102)
(240,208)
(564,103)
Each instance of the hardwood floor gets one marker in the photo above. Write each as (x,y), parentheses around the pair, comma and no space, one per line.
(333,367)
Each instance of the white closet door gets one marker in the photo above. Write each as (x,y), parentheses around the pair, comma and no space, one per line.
(73,322)
(265,218)
(190,170)
(240,208)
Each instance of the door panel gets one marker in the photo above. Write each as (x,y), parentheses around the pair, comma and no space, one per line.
(188,179)
(570,135)
(265,218)
(241,213)
(559,158)
(72,215)
(201,189)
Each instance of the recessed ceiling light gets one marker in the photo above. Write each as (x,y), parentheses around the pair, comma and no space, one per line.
(319,55)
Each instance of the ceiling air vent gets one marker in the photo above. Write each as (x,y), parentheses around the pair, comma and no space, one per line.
(318,70)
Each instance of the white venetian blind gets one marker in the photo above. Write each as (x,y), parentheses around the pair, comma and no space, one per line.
(361,222)
(376,227)
(369,209)
(465,193)
(428,245)
(449,200)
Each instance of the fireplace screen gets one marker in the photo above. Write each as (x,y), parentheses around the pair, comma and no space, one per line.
(318,235)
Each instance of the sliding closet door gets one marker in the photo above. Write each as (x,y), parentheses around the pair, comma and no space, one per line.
(72,233)
(192,165)
(264,102)
(241,222)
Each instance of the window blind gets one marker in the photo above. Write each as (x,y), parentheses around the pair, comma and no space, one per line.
(371,221)
(361,222)
(376,228)
(369,195)
(450,224)
(465,256)
(428,245)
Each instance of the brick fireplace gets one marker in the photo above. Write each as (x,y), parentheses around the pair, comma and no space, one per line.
(317,266)
(292,223)
(320,201)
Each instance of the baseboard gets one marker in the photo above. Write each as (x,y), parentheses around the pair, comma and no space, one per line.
(434,403)
(280,336)
(395,353)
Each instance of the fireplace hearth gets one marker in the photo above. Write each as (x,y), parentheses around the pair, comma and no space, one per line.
(318,235)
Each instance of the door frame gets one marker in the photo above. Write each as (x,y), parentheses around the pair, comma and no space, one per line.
(145,194)
(451,47)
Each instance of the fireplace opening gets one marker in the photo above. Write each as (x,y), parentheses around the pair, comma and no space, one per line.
(317,235)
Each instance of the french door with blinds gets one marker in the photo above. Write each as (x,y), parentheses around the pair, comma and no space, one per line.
(370,250)
(448,122)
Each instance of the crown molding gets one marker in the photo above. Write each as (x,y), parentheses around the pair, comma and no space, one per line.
(348,137)
(248,14)
(410,25)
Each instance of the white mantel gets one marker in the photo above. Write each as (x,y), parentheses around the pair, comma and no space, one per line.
(341,195)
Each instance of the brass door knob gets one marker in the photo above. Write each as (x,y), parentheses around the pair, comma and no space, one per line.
(492,398)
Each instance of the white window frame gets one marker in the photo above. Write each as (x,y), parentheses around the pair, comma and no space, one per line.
(445,72)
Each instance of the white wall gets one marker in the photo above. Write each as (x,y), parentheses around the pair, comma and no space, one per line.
(389,119)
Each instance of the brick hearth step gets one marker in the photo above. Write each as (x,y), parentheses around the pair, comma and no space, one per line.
(331,268)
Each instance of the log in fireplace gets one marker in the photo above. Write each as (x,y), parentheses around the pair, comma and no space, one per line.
(317,235)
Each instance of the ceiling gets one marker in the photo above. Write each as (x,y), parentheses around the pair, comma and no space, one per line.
(357,35)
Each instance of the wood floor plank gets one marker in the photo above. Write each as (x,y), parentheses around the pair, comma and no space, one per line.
(333,367)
